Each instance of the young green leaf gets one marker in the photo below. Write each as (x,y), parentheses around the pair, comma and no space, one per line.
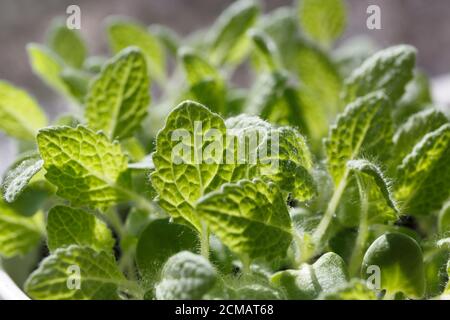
(67,226)
(158,242)
(118,98)
(84,165)
(21,116)
(414,129)
(250,217)
(322,20)
(388,70)
(123,34)
(18,234)
(399,259)
(326,275)
(186,276)
(423,177)
(48,67)
(67,44)
(58,274)
(168,37)
(18,177)
(207,85)
(267,51)
(228,41)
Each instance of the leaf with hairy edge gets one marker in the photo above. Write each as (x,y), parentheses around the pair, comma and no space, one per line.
(354,290)
(389,70)
(186,276)
(21,116)
(18,177)
(322,20)
(414,129)
(99,276)
(119,97)
(123,34)
(67,44)
(250,217)
(382,205)
(18,234)
(228,40)
(424,175)
(364,128)
(84,165)
(67,226)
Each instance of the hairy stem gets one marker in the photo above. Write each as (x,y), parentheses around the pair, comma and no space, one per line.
(204,241)
(357,254)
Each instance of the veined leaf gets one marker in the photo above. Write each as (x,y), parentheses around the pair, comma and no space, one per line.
(21,116)
(17,178)
(323,20)
(250,217)
(414,129)
(186,276)
(423,177)
(67,44)
(68,226)
(363,128)
(228,41)
(18,234)
(84,165)
(207,85)
(382,205)
(123,34)
(326,275)
(48,67)
(389,70)
(119,97)
(99,276)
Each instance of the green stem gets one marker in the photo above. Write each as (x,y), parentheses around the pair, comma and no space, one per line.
(116,222)
(357,254)
(245,265)
(321,231)
(204,241)
(132,288)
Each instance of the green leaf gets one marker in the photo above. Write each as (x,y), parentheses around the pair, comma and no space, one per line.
(118,98)
(389,70)
(382,205)
(228,40)
(322,20)
(399,259)
(21,115)
(354,290)
(99,276)
(18,234)
(207,85)
(424,175)
(168,37)
(414,129)
(363,128)
(18,177)
(48,67)
(67,226)
(186,276)
(266,49)
(84,165)
(250,217)
(158,241)
(123,34)
(326,275)
(67,44)
(444,219)
(435,263)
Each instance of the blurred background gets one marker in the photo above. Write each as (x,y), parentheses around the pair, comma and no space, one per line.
(423,23)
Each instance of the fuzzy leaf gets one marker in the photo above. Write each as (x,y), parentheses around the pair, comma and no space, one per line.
(99,276)
(21,116)
(354,290)
(119,97)
(389,70)
(186,276)
(67,226)
(18,234)
(250,217)
(424,175)
(84,165)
